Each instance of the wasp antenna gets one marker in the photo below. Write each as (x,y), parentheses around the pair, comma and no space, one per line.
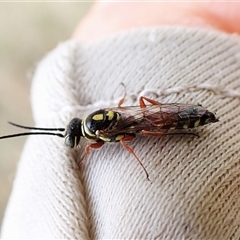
(32,133)
(35,128)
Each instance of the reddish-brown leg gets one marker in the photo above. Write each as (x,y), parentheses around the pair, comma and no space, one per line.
(121,102)
(129,149)
(142,103)
(152,134)
(88,147)
(123,99)
(160,134)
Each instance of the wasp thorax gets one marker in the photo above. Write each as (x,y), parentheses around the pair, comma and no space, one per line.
(101,120)
(73,133)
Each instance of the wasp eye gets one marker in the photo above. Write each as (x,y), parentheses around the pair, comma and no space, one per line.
(70,142)
(73,133)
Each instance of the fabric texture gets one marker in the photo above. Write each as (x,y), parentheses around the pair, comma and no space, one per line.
(194,186)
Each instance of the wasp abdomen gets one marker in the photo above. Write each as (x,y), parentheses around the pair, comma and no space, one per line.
(208,117)
(194,117)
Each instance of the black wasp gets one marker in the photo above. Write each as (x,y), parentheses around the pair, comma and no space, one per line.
(123,124)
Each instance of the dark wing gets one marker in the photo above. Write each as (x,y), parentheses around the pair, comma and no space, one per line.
(152,118)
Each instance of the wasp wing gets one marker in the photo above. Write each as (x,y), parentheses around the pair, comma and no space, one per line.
(152,118)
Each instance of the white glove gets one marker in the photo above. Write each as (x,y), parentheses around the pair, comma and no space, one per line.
(194,183)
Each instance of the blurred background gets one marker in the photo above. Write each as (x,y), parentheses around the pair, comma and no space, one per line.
(28,31)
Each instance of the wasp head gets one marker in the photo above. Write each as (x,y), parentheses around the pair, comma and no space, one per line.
(73,133)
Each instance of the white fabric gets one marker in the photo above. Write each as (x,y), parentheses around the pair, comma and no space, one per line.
(194,183)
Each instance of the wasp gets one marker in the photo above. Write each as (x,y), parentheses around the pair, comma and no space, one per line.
(123,124)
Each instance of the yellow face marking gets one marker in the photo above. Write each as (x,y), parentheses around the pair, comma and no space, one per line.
(105,139)
(185,126)
(119,137)
(172,128)
(98,117)
(110,115)
(196,124)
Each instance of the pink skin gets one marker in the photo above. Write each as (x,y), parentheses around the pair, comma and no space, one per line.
(108,18)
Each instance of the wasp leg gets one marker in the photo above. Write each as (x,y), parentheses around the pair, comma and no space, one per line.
(88,147)
(183,133)
(124,96)
(160,134)
(121,102)
(129,149)
(142,103)
(153,134)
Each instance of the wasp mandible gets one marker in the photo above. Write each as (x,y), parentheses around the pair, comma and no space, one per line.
(123,124)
